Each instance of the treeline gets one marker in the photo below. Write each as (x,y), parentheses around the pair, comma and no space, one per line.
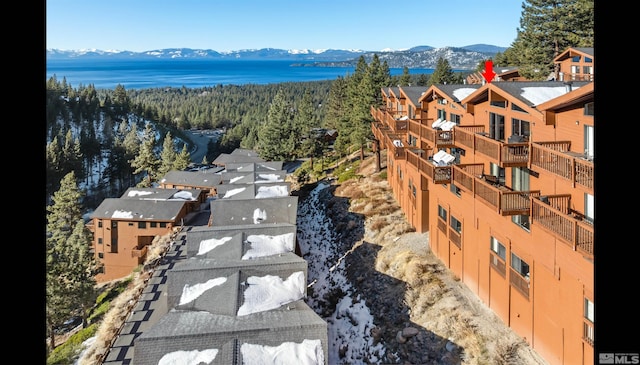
(97,133)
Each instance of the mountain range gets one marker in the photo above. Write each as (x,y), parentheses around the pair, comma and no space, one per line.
(462,58)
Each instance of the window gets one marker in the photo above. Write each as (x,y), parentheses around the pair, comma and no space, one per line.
(163,224)
(589,209)
(522,220)
(498,103)
(454,189)
(589,310)
(99,240)
(142,225)
(496,126)
(153,224)
(100,224)
(575,59)
(130,224)
(114,225)
(442,213)
(441,113)
(456,224)
(498,255)
(589,315)
(588,109)
(412,188)
(100,255)
(498,248)
(114,245)
(497,171)
(455,118)
(519,266)
(520,127)
(412,140)
(457,152)
(517,108)
(589,144)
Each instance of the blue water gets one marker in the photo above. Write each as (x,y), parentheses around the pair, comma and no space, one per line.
(191,73)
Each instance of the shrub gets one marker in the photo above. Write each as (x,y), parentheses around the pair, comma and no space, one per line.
(65,353)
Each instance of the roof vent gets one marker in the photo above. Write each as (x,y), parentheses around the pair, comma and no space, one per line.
(568,85)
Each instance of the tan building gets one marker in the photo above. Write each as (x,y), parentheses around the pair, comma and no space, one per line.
(501,176)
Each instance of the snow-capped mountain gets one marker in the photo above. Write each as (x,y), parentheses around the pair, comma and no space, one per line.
(415,57)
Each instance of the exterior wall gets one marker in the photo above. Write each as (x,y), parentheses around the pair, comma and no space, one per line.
(119,260)
(567,73)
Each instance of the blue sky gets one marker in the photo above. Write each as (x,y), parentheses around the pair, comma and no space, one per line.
(372,25)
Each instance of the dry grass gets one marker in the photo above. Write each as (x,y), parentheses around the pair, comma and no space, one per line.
(438,301)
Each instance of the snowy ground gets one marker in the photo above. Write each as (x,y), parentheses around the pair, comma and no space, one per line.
(351,323)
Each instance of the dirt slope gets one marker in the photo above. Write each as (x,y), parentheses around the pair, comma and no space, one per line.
(429,316)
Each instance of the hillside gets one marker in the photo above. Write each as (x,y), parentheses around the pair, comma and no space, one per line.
(424,314)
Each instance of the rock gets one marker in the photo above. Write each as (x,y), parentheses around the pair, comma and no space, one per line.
(399,337)
(450,346)
(409,332)
(376,333)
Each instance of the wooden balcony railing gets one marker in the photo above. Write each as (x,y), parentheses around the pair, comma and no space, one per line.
(436,174)
(518,282)
(556,158)
(556,217)
(577,77)
(502,198)
(588,332)
(465,135)
(465,175)
(399,152)
(139,252)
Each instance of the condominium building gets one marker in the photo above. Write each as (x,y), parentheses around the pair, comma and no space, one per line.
(501,176)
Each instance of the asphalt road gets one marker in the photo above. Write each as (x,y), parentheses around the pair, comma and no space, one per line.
(200,139)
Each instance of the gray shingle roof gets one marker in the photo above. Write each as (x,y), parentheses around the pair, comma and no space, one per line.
(139,210)
(192,178)
(182,330)
(226,212)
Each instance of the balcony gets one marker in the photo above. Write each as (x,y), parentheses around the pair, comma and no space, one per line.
(436,174)
(554,215)
(139,252)
(556,158)
(396,146)
(500,197)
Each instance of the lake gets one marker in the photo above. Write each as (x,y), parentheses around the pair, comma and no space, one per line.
(191,73)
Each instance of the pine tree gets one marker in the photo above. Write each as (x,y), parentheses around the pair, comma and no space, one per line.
(305,125)
(167,156)
(547,28)
(80,268)
(405,79)
(62,217)
(274,137)
(183,159)
(146,161)
(443,74)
